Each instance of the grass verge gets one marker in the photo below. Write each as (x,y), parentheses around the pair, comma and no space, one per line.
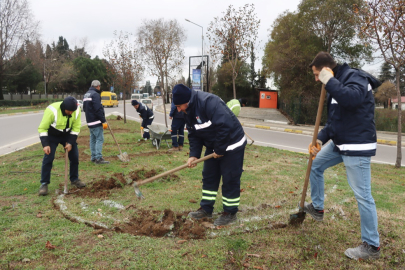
(271,186)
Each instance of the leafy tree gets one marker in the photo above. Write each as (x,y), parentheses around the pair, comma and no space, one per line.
(88,70)
(232,36)
(16,25)
(385,92)
(253,74)
(384,23)
(147,88)
(224,86)
(386,73)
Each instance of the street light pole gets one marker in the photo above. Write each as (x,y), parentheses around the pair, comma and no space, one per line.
(202,53)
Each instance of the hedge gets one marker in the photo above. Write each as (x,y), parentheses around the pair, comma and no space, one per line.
(25,103)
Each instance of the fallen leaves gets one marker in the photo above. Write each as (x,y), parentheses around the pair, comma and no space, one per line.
(39,215)
(253,255)
(181,241)
(48,245)
(192,201)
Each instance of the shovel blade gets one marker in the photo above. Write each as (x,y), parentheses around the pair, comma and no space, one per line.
(297,219)
(138,192)
(124,157)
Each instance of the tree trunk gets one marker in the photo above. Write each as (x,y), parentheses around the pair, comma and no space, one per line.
(234,85)
(399,143)
(1,79)
(163,93)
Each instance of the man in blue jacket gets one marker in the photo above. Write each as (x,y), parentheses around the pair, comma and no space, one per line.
(96,121)
(178,123)
(147,117)
(351,131)
(212,124)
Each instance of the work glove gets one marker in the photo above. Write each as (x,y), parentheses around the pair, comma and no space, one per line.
(325,75)
(105,125)
(314,150)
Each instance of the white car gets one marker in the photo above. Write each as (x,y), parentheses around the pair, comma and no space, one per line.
(148,102)
(80,104)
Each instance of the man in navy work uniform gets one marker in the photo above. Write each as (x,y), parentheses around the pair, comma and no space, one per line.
(147,117)
(96,121)
(351,131)
(178,123)
(212,124)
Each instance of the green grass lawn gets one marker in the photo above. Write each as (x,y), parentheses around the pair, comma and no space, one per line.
(271,185)
(33,109)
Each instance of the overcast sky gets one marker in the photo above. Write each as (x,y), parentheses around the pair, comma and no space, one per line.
(96,20)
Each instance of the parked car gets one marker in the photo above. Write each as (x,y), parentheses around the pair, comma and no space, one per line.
(80,104)
(148,102)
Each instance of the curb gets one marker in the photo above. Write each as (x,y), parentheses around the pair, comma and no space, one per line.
(298,131)
(19,113)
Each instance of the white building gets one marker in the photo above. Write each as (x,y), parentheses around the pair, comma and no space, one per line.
(394,103)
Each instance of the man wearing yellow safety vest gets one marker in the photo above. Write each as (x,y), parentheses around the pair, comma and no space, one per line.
(60,125)
(235,104)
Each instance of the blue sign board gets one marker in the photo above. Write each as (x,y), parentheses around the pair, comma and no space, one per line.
(112,89)
(196,79)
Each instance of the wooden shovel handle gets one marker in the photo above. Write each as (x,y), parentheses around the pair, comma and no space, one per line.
(151,179)
(314,138)
(112,134)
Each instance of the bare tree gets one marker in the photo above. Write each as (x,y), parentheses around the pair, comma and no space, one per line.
(385,92)
(161,43)
(232,36)
(124,57)
(16,25)
(383,21)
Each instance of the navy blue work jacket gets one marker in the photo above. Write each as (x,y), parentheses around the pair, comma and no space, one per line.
(212,124)
(350,103)
(93,109)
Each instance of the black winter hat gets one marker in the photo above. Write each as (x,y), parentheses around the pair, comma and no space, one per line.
(134,102)
(70,104)
(181,94)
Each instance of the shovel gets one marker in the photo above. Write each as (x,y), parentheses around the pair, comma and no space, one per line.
(298,218)
(122,156)
(65,190)
(250,138)
(151,179)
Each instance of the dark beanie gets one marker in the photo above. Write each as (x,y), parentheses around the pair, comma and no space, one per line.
(70,104)
(134,102)
(181,94)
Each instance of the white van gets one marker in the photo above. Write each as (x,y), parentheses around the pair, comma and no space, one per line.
(145,95)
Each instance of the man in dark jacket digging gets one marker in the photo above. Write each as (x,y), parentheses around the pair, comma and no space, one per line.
(351,133)
(147,117)
(212,124)
(178,123)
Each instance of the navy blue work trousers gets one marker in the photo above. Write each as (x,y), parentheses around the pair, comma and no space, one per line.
(230,168)
(145,124)
(48,160)
(178,130)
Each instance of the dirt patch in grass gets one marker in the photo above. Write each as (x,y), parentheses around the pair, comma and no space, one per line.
(154,223)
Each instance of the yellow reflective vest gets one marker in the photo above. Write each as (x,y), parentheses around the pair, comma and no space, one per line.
(234,105)
(54,122)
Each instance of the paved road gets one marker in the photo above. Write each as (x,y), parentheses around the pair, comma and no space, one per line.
(23,132)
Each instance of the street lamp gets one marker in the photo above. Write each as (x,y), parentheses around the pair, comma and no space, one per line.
(202,53)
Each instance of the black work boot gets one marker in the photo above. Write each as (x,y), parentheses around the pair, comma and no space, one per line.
(200,213)
(225,219)
(102,161)
(43,190)
(78,184)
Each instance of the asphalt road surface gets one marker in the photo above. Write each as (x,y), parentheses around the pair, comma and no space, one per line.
(19,131)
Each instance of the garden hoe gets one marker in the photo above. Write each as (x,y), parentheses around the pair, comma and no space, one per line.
(151,179)
(65,190)
(298,218)
(122,156)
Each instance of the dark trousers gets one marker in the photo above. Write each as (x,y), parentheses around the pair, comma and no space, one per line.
(48,160)
(178,129)
(230,167)
(145,124)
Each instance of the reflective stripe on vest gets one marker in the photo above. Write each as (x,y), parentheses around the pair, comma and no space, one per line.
(201,126)
(357,147)
(236,145)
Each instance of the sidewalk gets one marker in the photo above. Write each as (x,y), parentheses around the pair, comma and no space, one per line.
(272,119)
